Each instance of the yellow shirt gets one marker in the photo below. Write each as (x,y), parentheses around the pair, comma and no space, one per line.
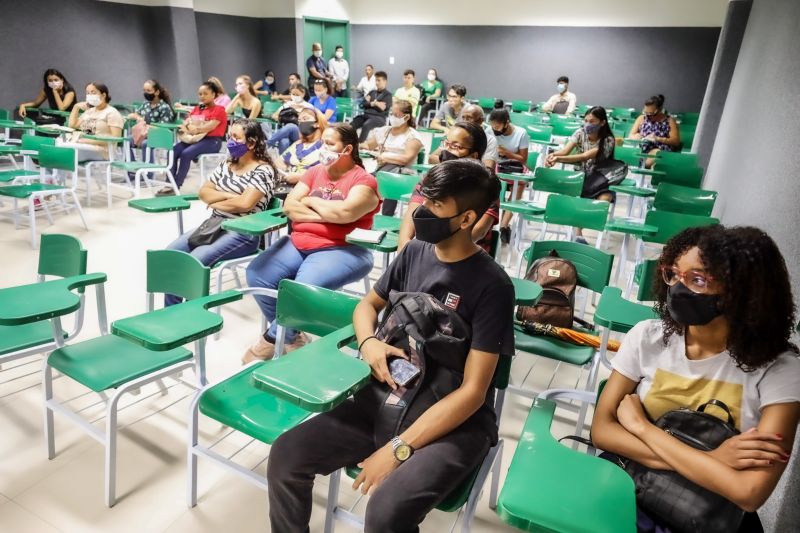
(409,95)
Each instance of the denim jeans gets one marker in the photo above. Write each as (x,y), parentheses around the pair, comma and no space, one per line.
(144,151)
(284,137)
(331,268)
(229,245)
(185,153)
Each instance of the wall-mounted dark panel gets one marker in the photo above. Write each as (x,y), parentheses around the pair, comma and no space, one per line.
(609,66)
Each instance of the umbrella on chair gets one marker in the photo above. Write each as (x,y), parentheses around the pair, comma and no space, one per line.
(566,334)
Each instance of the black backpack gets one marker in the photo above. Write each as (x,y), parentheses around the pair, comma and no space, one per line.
(672,499)
(437,341)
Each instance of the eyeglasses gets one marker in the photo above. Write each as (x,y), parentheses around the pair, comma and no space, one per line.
(694,280)
(454,146)
(452,95)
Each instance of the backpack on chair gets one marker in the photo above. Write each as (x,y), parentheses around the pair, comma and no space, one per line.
(559,280)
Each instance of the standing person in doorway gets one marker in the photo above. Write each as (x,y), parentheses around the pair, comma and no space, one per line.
(340,70)
(317,67)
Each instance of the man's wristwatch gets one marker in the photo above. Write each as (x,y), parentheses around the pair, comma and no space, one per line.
(401,450)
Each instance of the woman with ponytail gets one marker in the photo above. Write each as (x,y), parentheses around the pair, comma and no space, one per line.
(656,128)
(330,200)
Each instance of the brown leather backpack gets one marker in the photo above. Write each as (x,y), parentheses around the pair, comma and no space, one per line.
(558,279)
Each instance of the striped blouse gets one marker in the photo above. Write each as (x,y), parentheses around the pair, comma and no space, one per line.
(261,178)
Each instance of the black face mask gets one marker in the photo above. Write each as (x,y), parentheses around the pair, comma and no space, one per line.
(691,309)
(498,133)
(307,127)
(447,155)
(149,96)
(430,228)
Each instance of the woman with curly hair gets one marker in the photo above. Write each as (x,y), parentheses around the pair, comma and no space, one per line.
(241,185)
(727,314)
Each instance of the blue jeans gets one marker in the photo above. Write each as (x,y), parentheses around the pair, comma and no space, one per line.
(284,137)
(144,151)
(185,153)
(331,268)
(229,245)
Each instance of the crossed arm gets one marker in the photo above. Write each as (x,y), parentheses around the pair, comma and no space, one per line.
(300,207)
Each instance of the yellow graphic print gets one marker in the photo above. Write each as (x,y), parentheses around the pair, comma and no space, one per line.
(672,391)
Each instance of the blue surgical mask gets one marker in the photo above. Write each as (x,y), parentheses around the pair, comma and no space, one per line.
(561,87)
(590,128)
(236,149)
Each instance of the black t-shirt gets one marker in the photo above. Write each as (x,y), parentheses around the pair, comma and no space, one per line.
(477,288)
(384,96)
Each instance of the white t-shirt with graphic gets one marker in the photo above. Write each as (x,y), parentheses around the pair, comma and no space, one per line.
(395,144)
(669,380)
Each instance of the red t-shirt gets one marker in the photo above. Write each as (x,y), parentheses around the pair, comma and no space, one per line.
(493,211)
(212,112)
(316,235)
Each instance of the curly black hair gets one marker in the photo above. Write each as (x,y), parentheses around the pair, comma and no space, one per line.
(254,134)
(757,295)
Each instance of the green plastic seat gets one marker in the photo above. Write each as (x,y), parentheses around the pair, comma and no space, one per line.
(523,120)
(487,104)
(687,133)
(688,200)
(688,119)
(24,336)
(559,181)
(680,174)
(565,129)
(624,113)
(552,488)
(552,348)
(521,106)
(163,204)
(257,223)
(574,211)
(387,245)
(645,275)
(178,273)
(89,364)
(670,224)
(618,314)
(236,403)
(677,158)
(393,186)
(539,134)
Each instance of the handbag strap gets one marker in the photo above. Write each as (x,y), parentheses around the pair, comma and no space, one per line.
(721,405)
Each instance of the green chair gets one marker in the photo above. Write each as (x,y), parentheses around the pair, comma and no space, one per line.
(521,106)
(236,403)
(52,158)
(140,350)
(541,136)
(60,256)
(465,495)
(565,129)
(677,158)
(594,271)
(688,119)
(624,113)
(393,186)
(582,109)
(687,200)
(165,204)
(487,104)
(157,139)
(29,149)
(687,133)
(678,174)
(523,120)
(550,487)
(436,142)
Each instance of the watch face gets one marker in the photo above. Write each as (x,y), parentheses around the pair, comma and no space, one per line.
(402,452)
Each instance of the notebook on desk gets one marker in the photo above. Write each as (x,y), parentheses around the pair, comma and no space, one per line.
(367,235)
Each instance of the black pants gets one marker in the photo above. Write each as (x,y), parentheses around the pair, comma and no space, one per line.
(367,123)
(344,437)
(424,110)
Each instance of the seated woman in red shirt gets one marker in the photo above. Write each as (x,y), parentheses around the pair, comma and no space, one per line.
(330,200)
(207,117)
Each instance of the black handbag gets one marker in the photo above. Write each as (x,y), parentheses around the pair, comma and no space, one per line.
(606,173)
(673,500)
(207,232)
(510,167)
(437,341)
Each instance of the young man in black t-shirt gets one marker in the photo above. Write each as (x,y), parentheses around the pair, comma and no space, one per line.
(376,107)
(409,475)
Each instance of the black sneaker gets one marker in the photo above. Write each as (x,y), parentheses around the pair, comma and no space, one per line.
(505,235)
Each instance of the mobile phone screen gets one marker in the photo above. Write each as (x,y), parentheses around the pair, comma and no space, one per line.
(402,371)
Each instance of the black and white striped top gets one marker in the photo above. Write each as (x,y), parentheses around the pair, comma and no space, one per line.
(261,178)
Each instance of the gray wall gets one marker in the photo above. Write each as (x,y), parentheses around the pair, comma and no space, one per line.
(608,66)
(123,45)
(755,168)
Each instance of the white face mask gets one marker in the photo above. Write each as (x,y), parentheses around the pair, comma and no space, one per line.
(270,81)
(326,157)
(317,53)
(561,87)
(339,54)
(297,99)
(396,121)
(54,84)
(431,77)
(93,99)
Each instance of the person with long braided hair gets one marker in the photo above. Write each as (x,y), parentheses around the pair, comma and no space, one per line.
(241,185)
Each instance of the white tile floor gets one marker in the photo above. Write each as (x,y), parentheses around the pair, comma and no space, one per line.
(66,494)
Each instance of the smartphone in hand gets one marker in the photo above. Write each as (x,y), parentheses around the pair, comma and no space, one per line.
(402,371)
